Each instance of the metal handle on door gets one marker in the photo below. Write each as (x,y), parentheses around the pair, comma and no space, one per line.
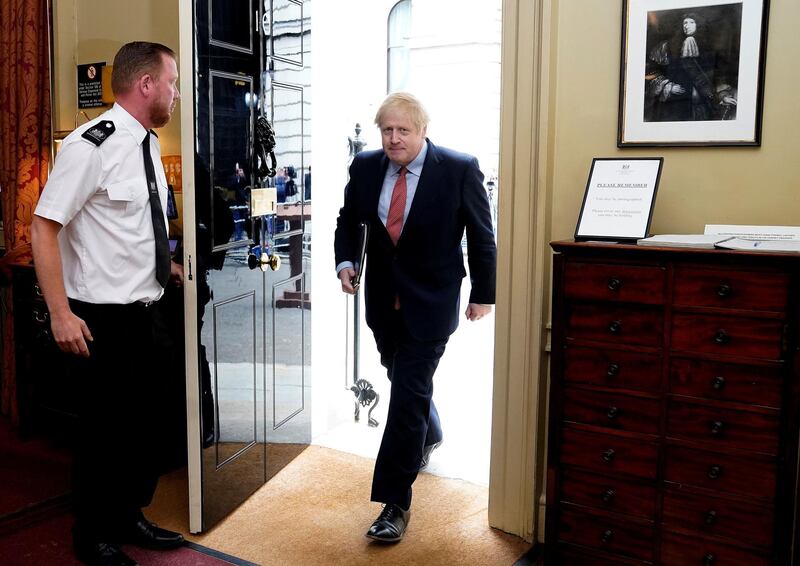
(263,260)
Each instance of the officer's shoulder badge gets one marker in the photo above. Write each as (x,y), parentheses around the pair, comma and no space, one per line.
(100,132)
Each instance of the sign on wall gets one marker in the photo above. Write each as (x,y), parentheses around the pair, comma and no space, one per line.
(90,85)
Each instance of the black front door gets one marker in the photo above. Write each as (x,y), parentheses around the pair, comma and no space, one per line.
(252,321)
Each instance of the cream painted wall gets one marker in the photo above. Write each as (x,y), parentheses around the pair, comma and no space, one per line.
(88,31)
(698,185)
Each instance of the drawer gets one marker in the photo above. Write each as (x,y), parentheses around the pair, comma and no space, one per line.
(749,290)
(613,368)
(678,550)
(610,282)
(609,454)
(727,382)
(609,534)
(608,493)
(612,410)
(752,476)
(569,555)
(749,337)
(616,325)
(724,428)
(738,520)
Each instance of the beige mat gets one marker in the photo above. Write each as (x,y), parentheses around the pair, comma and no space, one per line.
(317,509)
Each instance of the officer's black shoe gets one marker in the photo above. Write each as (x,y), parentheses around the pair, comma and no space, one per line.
(390,526)
(148,535)
(102,554)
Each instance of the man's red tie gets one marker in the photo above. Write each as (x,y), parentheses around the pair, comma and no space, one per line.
(397,208)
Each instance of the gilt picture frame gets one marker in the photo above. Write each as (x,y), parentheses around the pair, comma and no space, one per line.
(692,72)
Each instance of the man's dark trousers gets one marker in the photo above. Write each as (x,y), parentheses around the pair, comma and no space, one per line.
(115,466)
(413,421)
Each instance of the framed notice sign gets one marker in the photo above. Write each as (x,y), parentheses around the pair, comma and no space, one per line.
(90,85)
(619,199)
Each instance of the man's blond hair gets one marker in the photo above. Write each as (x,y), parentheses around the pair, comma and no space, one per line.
(405,102)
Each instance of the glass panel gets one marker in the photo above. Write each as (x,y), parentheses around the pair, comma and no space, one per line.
(289,350)
(230,139)
(288,115)
(234,384)
(288,31)
(398,59)
(231,24)
(231,307)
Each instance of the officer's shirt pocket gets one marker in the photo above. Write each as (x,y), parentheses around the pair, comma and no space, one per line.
(127,195)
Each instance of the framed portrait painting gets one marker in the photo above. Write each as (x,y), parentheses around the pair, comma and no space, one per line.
(692,72)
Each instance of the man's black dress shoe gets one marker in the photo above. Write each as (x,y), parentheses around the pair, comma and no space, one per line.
(102,554)
(390,526)
(426,454)
(147,535)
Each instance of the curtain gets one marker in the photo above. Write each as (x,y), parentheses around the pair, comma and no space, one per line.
(24,148)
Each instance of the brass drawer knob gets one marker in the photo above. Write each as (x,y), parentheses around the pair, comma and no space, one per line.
(709,559)
(714,472)
(608,455)
(724,291)
(612,413)
(607,536)
(717,383)
(613,370)
(615,326)
(614,284)
(608,495)
(711,517)
(721,337)
(717,428)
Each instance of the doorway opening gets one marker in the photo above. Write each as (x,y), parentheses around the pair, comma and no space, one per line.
(446,52)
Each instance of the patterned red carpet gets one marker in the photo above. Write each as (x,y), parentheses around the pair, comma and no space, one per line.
(32,470)
(35,520)
(48,542)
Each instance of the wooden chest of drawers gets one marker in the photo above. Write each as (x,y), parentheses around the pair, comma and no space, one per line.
(673,418)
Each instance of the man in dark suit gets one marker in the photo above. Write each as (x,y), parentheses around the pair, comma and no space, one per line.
(417,199)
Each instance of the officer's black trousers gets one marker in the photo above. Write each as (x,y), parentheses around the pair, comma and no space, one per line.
(116,466)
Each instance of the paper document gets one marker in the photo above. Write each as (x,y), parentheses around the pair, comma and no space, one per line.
(683,240)
(761,245)
(746,232)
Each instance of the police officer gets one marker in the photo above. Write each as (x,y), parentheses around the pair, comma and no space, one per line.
(102,259)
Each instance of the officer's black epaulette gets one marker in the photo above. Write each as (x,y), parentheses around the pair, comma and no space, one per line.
(99,133)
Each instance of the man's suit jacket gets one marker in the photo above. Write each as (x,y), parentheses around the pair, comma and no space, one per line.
(426,267)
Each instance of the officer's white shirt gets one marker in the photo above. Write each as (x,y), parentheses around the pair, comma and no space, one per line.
(99,195)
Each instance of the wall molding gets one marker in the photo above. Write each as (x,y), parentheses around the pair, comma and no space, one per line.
(520,383)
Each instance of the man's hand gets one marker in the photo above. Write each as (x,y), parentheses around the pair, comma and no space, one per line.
(677,89)
(176,273)
(476,311)
(346,276)
(71,334)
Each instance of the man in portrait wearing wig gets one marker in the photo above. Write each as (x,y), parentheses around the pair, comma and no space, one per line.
(683,80)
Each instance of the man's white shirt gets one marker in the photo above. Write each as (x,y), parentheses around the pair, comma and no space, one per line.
(99,195)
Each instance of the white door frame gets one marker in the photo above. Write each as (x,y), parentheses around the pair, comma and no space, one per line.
(516,499)
(517,470)
(187,88)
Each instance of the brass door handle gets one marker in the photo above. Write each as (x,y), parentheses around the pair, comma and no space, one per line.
(263,261)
